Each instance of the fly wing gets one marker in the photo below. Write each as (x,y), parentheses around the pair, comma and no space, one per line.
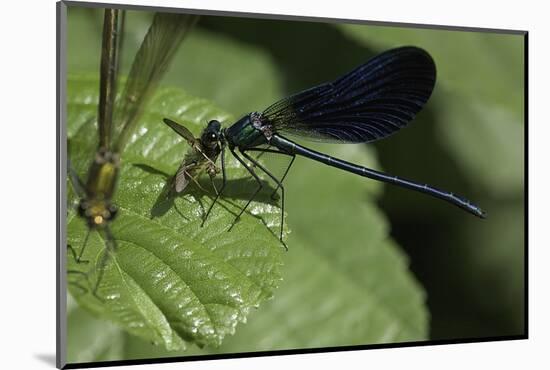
(152,59)
(181,130)
(181,179)
(369,103)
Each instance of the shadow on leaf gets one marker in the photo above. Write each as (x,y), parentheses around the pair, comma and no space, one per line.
(236,189)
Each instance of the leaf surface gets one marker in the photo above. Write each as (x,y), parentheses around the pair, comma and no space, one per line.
(171,280)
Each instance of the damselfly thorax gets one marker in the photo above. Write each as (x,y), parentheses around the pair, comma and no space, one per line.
(97,207)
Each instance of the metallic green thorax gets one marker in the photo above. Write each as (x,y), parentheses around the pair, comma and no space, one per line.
(244,133)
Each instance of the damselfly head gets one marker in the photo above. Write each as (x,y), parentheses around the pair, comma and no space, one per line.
(104,155)
(97,213)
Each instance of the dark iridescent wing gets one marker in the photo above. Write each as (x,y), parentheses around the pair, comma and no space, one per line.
(151,61)
(369,103)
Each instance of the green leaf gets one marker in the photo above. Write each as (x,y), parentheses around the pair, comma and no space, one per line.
(170,280)
(320,304)
(346,282)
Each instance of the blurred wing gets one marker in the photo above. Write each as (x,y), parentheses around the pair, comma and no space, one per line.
(181,130)
(110,44)
(152,59)
(369,103)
